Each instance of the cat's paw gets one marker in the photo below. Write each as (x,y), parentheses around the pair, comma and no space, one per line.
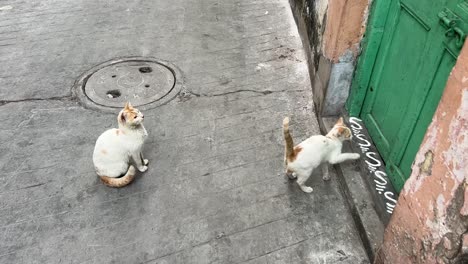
(291,175)
(142,168)
(145,162)
(306,189)
(355,156)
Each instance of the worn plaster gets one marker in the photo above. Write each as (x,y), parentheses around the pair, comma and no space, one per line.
(338,88)
(344,28)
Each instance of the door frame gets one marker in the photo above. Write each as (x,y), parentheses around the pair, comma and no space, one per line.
(370,45)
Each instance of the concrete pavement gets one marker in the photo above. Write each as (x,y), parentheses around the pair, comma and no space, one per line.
(215,190)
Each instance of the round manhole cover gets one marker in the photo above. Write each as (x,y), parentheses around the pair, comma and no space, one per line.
(143,82)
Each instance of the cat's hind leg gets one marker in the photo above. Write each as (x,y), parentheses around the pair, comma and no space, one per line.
(326,174)
(291,174)
(302,177)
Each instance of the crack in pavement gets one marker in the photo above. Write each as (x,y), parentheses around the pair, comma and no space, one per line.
(56,98)
(183,94)
(264,92)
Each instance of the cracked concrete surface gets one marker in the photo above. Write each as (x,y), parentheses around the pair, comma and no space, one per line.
(265,92)
(215,190)
(3,102)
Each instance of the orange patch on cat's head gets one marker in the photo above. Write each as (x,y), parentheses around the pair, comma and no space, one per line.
(343,132)
(340,130)
(128,114)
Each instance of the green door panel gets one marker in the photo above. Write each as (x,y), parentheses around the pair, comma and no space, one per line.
(371,44)
(419,46)
(390,91)
(435,93)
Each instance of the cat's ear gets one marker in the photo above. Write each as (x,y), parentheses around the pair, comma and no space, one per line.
(121,117)
(340,122)
(127,105)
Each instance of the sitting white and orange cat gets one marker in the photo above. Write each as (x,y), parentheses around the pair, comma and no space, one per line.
(302,159)
(117,149)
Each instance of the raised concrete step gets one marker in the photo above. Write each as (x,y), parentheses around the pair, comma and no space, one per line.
(363,207)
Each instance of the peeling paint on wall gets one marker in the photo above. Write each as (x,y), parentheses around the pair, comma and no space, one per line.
(426,165)
(458,164)
(414,183)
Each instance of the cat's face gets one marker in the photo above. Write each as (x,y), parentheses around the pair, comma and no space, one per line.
(130,116)
(341,131)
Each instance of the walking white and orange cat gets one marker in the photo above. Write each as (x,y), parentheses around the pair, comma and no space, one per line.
(302,159)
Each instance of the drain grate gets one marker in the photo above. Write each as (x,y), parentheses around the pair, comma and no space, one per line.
(145,82)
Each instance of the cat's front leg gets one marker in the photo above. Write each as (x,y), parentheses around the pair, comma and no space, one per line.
(340,157)
(143,160)
(139,162)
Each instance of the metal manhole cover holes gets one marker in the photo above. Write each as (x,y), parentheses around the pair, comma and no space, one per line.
(145,82)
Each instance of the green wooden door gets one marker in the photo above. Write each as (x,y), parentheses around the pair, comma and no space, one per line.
(419,46)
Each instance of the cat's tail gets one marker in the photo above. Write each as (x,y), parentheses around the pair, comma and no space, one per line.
(289,144)
(122,181)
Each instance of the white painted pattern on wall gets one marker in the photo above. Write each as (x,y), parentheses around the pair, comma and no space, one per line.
(373,164)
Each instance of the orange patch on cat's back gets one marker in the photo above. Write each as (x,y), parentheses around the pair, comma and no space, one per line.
(117,132)
(103,151)
(297,149)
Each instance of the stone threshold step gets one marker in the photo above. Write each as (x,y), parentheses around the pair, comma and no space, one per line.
(370,208)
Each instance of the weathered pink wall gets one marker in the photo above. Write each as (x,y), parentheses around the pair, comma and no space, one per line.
(345,26)
(430,221)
